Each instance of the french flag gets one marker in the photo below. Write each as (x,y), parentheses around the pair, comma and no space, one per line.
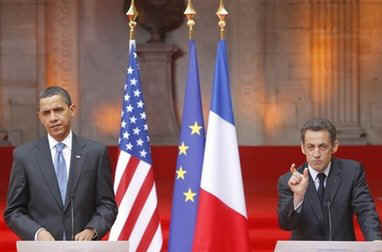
(222,223)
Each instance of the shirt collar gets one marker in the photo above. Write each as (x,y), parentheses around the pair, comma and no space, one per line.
(67,141)
(314,173)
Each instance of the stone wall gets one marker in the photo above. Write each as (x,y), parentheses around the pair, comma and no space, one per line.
(290,60)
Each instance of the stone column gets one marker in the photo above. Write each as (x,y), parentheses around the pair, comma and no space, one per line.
(19,31)
(156,61)
(335,66)
(62,47)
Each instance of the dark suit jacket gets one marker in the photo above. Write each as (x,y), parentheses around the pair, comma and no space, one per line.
(34,199)
(346,193)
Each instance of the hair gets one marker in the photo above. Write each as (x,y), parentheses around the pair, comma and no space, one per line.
(318,124)
(56,90)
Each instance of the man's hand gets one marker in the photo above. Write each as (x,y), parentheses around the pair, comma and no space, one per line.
(85,235)
(298,184)
(44,235)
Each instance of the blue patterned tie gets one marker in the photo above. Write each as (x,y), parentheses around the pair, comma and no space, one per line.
(60,167)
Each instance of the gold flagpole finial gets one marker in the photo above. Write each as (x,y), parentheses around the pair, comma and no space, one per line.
(190,13)
(222,13)
(132,13)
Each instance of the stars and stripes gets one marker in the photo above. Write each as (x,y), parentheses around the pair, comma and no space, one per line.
(134,186)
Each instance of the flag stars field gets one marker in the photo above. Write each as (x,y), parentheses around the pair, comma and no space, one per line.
(180,173)
(186,193)
(137,93)
(195,128)
(189,195)
(183,149)
(130,70)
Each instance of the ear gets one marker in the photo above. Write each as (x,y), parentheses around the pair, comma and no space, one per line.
(335,146)
(302,148)
(73,109)
(38,115)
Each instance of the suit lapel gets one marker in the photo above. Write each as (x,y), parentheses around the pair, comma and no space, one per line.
(45,163)
(313,200)
(76,163)
(334,181)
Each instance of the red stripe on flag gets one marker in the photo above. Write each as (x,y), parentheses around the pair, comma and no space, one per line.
(149,232)
(219,227)
(137,206)
(126,178)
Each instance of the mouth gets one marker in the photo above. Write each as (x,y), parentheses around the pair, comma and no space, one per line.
(56,127)
(316,162)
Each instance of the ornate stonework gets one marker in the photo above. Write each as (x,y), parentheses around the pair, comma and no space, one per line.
(335,66)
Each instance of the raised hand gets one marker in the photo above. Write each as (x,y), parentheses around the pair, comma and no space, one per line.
(298,183)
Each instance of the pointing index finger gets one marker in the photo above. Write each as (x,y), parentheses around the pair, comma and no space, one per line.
(293,168)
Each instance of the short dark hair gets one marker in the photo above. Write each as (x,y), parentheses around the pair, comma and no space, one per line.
(318,124)
(56,90)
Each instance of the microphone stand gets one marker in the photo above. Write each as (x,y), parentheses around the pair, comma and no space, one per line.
(330,220)
(72,213)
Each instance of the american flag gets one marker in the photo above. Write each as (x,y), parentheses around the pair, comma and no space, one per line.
(134,186)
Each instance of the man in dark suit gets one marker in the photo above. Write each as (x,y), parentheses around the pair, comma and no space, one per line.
(60,186)
(317,201)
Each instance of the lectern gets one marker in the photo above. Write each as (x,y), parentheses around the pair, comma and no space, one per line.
(328,246)
(72,246)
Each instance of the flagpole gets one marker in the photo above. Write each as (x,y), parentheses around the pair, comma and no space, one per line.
(132,14)
(190,13)
(221,13)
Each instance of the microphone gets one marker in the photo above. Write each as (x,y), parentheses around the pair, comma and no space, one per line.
(72,213)
(328,204)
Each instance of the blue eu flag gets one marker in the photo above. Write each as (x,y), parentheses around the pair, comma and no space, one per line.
(189,163)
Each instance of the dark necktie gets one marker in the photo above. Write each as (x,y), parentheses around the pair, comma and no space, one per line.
(321,187)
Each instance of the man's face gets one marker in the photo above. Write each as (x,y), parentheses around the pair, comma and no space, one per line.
(318,149)
(56,116)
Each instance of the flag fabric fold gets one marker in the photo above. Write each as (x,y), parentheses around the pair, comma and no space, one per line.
(134,186)
(189,162)
(222,223)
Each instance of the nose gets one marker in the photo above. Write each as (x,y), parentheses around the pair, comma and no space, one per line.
(52,117)
(316,152)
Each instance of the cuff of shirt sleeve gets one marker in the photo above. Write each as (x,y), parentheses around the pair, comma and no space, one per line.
(37,232)
(298,207)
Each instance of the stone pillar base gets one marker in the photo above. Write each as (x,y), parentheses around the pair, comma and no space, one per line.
(156,61)
(351,136)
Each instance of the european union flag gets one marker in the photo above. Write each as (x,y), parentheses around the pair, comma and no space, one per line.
(189,163)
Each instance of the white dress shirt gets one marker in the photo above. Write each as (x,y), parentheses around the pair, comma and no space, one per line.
(67,151)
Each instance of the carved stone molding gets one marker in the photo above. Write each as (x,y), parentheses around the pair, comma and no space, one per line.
(335,66)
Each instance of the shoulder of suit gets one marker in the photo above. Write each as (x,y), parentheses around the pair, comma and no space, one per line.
(346,162)
(27,147)
(347,165)
(90,143)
